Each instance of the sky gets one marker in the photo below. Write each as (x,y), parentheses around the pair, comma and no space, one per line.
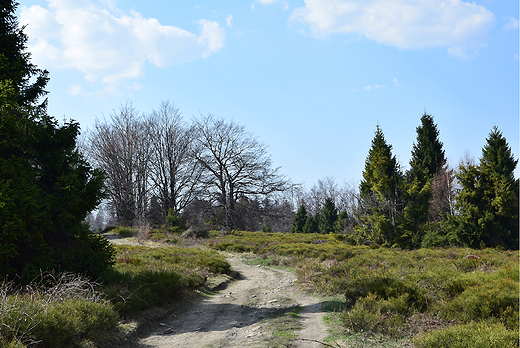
(311,79)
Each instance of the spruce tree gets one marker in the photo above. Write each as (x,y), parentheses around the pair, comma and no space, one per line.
(28,81)
(299,220)
(427,154)
(46,186)
(311,224)
(328,216)
(488,198)
(380,191)
(427,159)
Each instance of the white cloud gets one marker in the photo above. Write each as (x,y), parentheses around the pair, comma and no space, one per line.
(406,24)
(75,90)
(229,21)
(270,2)
(396,83)
(108,45)
(512,23)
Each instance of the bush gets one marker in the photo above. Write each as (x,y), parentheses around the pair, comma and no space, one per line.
(482,335)
(494,299)
(125,232)
(386,289)
(61,311)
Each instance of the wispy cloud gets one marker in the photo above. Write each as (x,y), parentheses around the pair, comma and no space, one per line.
(270,2)
(512,23)
(229,21)
(459,26)
(108,45)
(370,87)
(396,83)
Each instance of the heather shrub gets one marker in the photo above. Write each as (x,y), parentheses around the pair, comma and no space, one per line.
(54,311)
(471,335)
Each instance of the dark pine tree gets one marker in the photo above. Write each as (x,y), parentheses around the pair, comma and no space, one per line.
(28,81)
(328,216)
(380,191)
(299,220)
(46,186)
(427,159)
(488,199)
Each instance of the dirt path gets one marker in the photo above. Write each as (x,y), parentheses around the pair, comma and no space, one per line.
(244,314)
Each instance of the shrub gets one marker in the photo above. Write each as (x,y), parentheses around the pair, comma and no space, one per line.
(125,232)
(482,335)
(61,311)
(494,299)
(386,289)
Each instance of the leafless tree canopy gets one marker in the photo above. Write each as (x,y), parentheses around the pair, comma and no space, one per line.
(156,164)
(236,164)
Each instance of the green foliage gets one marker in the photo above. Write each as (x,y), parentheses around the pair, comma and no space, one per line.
(488,198)
(299,220)
(28,81)
(143,277)
(61,311)
(174,221)
(311,224)
(380,191)
(497,299)
(482,335)
(328,216)
(427,154)
(125,232)
(386,288)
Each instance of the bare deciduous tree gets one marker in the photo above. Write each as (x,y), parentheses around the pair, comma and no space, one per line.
(121,147)
(174,172)
(236,164)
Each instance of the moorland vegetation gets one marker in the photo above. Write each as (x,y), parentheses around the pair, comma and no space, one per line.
(428,255)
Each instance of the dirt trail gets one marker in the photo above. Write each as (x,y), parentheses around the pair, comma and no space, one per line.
(239,316)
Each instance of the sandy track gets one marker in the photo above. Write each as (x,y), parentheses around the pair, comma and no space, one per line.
(238,316)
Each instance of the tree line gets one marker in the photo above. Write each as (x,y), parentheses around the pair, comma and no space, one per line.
(210,173)
(429,205)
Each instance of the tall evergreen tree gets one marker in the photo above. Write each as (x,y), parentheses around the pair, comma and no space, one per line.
(311,224)
(427,154)
(28,81)
(328,216)
(46,186)
(299,220)
(380,191)
(427,159)
(488,198)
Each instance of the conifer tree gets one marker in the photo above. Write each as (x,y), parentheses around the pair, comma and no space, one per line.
(311,224)
(380,192)
(427,159)
(299,220)
(46,186)
(15,64)
(488,198)
(328,216)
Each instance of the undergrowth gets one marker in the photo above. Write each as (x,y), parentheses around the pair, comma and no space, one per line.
(428,293)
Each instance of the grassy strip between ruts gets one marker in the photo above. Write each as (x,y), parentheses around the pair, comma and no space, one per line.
(70,311)
(451,297)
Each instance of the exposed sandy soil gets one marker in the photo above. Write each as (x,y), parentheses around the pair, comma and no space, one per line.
(242,315)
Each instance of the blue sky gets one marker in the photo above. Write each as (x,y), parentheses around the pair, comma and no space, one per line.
(311,79)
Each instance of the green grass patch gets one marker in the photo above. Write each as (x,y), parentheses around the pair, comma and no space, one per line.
(482,335)
(386,289)
(145,277)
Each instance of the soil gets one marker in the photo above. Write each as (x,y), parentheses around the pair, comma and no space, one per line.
(244,314)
